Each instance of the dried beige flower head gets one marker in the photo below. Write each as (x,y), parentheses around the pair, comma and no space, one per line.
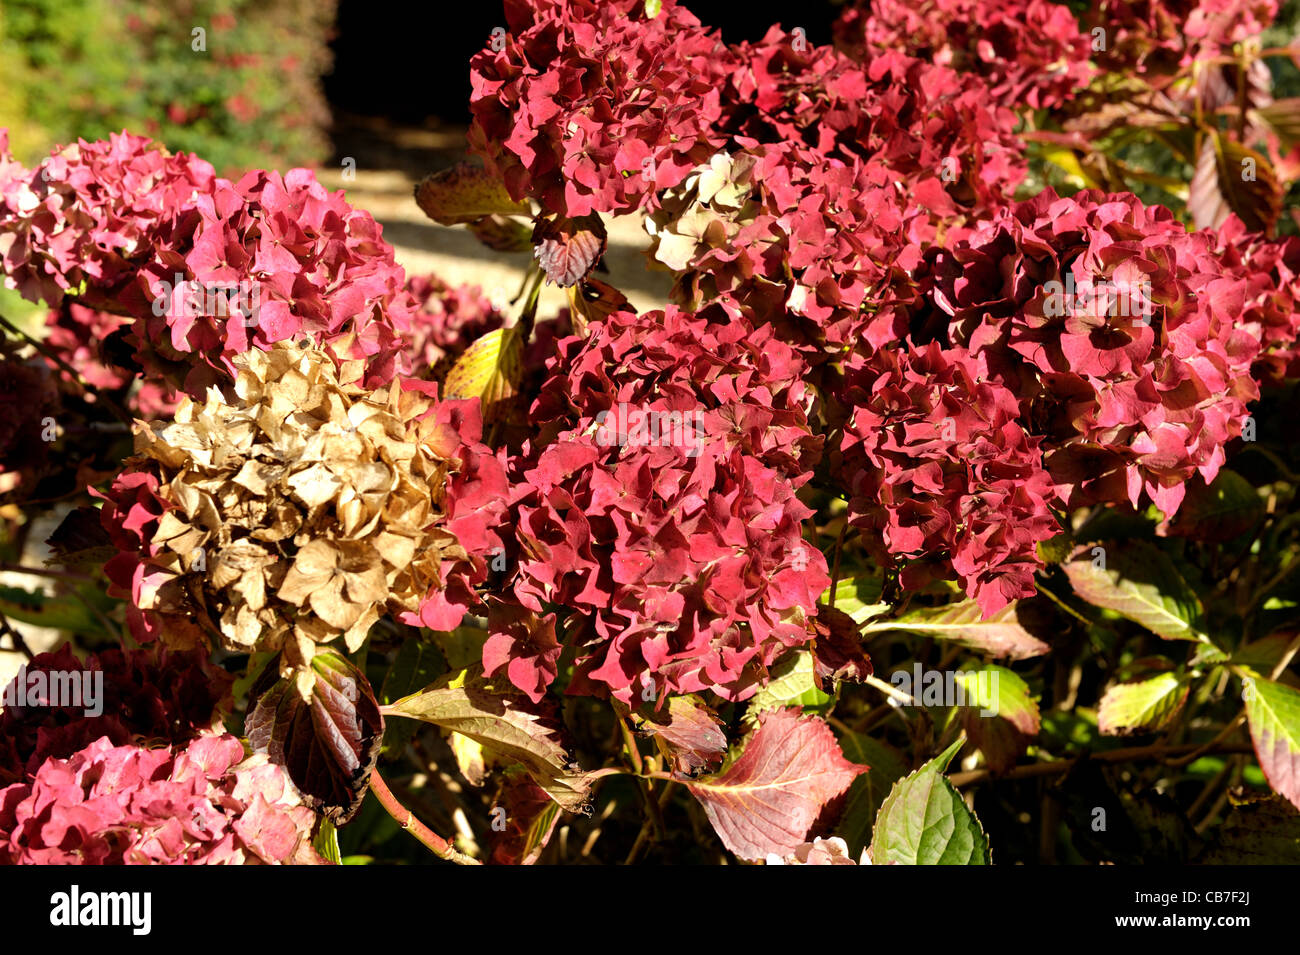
(303,505)
(705,212)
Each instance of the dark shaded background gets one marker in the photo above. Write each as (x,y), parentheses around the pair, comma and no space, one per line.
(410,62)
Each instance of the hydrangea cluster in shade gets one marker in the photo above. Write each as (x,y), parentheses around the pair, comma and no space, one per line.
(1160,36)
(199,803)
(1127,403)
(941,473)
(1030,52)
(150,695)
(29,407)
(1270,269)
(447,320)
(87,339)
(684,554)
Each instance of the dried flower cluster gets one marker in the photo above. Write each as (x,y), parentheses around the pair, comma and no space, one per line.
(295,504)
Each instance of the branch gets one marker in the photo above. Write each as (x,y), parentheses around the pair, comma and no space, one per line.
(1111,756)
(406,819)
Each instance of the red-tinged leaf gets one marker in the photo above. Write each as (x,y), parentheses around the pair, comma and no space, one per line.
(1137,581)
(328,744)
(999,635)
(1273,711)
(464,193)
(568,249)
(1000,715)
(767,800)
(1145,704)
(527,817)
(688,734)
(1230,177)
(506,724)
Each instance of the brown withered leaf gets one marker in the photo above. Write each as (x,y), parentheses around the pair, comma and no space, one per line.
(323,725)
(80,540)
(465,192)
(568,249)
(767,800)
(592,300)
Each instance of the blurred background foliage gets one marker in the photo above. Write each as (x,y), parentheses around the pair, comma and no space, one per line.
(248,97)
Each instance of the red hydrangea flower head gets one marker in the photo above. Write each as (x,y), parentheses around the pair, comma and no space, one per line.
(1119,332)
(1028,51)
(593,105)
(664,510)
(942,475)
(149,695)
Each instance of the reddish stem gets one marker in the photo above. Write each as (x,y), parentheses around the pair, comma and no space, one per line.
(406,819)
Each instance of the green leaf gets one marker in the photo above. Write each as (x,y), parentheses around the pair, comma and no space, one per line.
(1000,635)
(925,822)
(505,724)
(792,684)
(859,597)
(1273,711)
(1139,582)
(1142,706)
(1000,713)
(326,841)
(62,612)
(1003,693)
(868,790)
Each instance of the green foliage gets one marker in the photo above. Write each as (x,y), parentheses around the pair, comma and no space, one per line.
(248,97)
